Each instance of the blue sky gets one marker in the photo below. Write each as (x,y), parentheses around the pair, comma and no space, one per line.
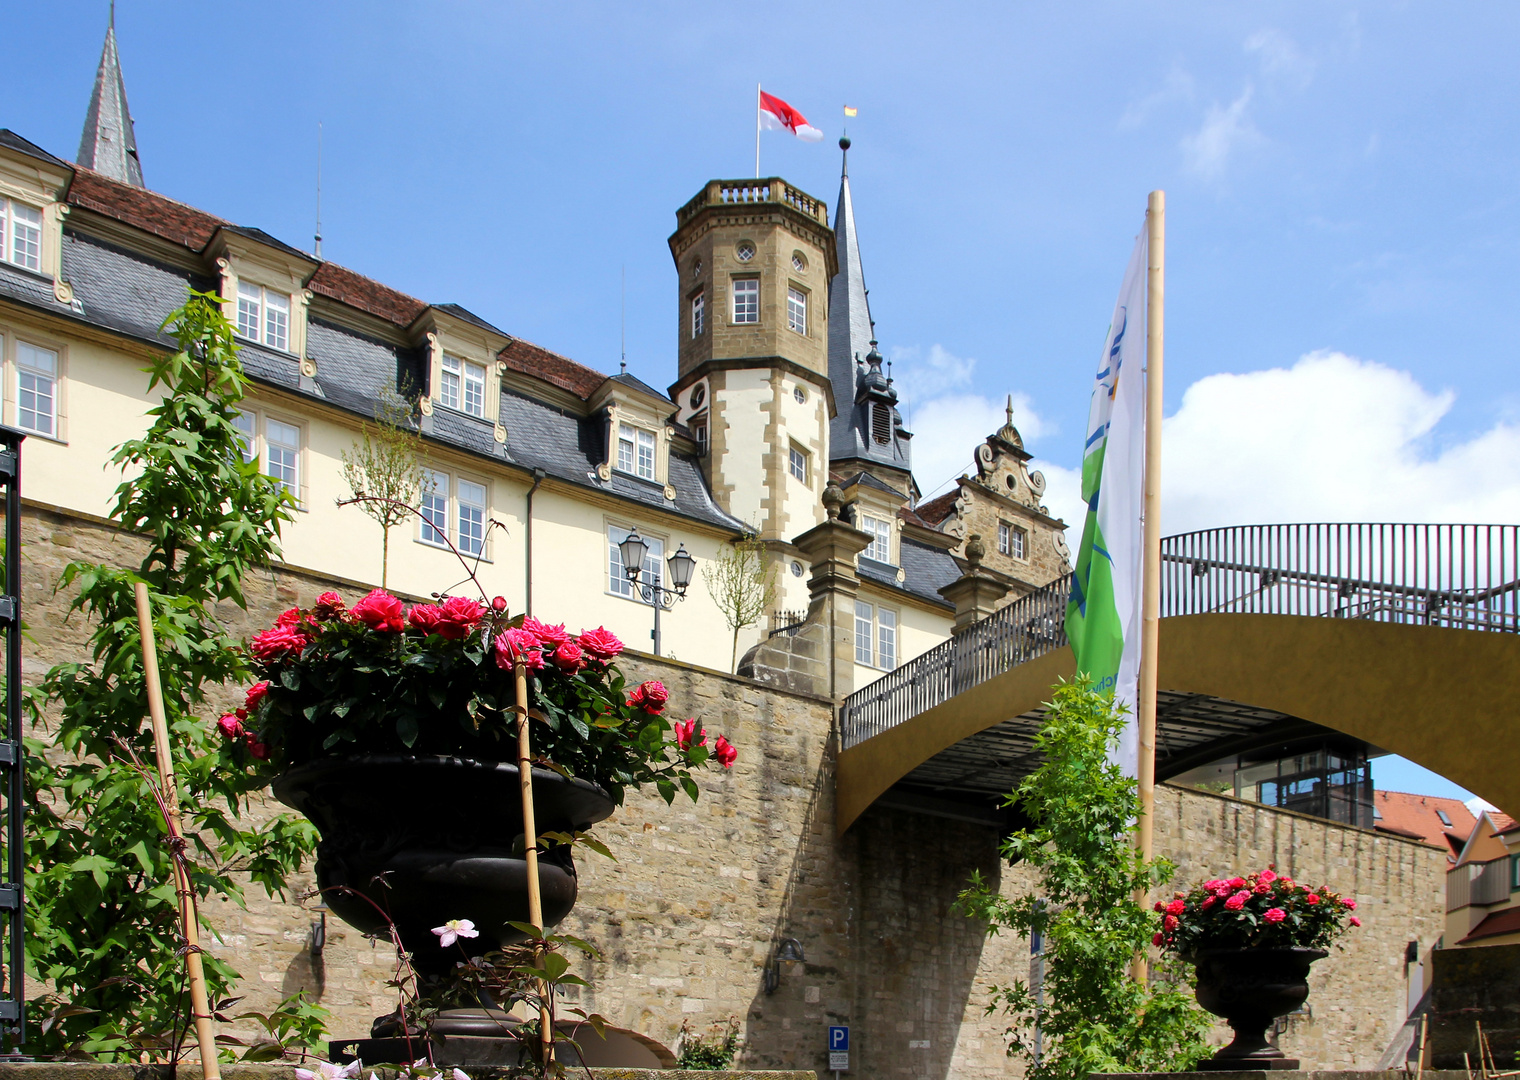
(1343,187)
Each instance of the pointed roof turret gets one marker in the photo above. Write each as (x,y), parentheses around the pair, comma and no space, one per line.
(108,144)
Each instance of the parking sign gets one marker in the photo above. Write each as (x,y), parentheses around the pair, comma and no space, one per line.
(839,1049)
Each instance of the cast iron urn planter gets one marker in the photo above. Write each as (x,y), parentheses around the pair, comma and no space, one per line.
(429,838)
(1250,988)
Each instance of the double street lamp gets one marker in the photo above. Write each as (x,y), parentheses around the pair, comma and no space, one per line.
(650,592)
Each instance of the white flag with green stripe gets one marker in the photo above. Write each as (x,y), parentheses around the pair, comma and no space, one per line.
(1103,614)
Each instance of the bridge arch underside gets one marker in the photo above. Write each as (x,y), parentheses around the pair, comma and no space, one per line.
(1228,684)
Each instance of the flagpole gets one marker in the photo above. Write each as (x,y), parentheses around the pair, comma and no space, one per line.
(1150,597)
(757,131)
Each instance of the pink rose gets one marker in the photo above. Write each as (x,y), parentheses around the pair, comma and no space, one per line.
(1268,876)
(256,693)
(1212,885)
(1349,904)
(550,637)
(1170,922)
(1176,907)
(1312,898)
(328,606)
(1236,883)
(514,643)
(256,748)
(650,696)
(229,726)
(381,611)
(1355,921)
(725,753)
(601,644)
(568,657)
(277,643)
(1285,879)
(1158,940)
(1208,902)
(1159,906)
(1223,891)
(1262,889)
(458,618)
(289,617)
(1238,901)
(425,617)
(1275,915)
(687,732)
(499,604)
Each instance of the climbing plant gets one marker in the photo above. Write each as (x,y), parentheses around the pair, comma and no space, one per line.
(102,934)
(1093,1015)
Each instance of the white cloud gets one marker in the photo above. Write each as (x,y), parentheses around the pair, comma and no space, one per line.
(1225,131)
(919,376)
(1281,58)
(1333,438)
(1177,87)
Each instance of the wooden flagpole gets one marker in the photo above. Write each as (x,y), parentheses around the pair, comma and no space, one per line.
(530,843)
(1150,596)
(200,1006)
(757,131)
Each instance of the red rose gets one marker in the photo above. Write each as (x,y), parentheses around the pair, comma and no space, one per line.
(514,643)
(1158,940)
(1238,901)
(277,643)
(256,748)
(256,693)
(1355,921)
(1275,915)
(290,617)
(1348,904)
(687,733)
(1208,902)
(650,696)
(328,606)
(600,644)
(1268,876)
(425,617)
(1312,898)
(550,637)
(1175,907)
(725,753)
(1159,906)
(1262,889)
(568,657)
(458,616)
(229,727)
(1170,922)
(1236,882)
(499,604)
(381,611)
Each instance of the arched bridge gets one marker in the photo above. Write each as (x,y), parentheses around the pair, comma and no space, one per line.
(1402,638)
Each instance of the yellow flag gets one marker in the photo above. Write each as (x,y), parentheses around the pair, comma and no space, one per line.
(850,110)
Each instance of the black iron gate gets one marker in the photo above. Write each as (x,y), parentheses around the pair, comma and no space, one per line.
(12,925)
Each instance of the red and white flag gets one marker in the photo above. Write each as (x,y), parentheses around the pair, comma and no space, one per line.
(777,115)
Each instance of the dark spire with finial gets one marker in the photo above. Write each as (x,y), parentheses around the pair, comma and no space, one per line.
(108,144)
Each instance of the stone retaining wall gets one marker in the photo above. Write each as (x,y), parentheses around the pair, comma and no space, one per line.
(690,912)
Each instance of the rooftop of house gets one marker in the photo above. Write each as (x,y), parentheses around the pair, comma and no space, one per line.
(1440,822)
(1496,923)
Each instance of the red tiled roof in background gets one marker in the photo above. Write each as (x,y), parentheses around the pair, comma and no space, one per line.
(938,509)
(1500,922)
(1503,823)
(1415,815)
(553,368)
(358,291)
(143,209)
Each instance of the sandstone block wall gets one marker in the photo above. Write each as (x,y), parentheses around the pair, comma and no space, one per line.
(700,894)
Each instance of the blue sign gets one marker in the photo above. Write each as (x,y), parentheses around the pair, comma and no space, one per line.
(839,1039)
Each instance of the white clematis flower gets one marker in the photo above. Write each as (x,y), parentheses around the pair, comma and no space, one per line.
(452,931)
(328,1071)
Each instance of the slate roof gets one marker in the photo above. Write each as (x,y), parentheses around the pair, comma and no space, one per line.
(925,571)
(11,141)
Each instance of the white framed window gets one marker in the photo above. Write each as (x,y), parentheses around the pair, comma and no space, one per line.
(263,316)
(463,386)
(875,636)
(699,433)
(698,314)
(797,463)
(276,443)
(796,310)
(881,538)
(635,451)
(36,389)
(654,561)
(1011,540)
(747,300)
(458,503)
(21,234)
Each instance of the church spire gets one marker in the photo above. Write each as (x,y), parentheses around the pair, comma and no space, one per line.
(850,330)
(108,144)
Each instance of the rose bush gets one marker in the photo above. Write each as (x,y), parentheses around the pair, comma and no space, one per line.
(437,679)
(1266,910)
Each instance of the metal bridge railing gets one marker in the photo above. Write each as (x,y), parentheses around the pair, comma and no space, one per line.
(1463,577)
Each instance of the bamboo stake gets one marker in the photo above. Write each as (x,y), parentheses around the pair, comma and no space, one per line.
(200,1006)
(1150,595)
(530,845)
(1419,1065)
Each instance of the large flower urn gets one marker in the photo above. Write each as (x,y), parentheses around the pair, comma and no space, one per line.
(1250,988)
(421,840)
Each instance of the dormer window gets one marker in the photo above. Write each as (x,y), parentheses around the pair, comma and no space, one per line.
(463,386)
(21,235)
(635,451)
(881,538)
(263,316)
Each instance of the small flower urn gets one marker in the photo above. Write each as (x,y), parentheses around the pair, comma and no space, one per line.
(1250,988)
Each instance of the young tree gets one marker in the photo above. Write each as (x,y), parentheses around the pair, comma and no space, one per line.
(1094,1017)
(387,464)
(102,916)
(742,586)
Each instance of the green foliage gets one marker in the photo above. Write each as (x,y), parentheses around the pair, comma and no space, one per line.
(384,469)
(1095,1017)
(293,1028)
(102,927)
(1263,910)
(742,586)
(710,1052)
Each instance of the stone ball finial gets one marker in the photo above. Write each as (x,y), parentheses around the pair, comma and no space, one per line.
(976,551)
(844,142)
(833,499)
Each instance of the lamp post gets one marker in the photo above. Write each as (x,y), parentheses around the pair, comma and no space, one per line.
(656,596)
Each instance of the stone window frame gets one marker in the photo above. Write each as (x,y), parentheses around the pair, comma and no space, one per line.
(636,445)
(799,463)
(261,334)
(697,307)
(453,511)
(882,532)
(8,234)
(11,341)
(797,309)
(741,283)
(1011,536)
(463,379)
